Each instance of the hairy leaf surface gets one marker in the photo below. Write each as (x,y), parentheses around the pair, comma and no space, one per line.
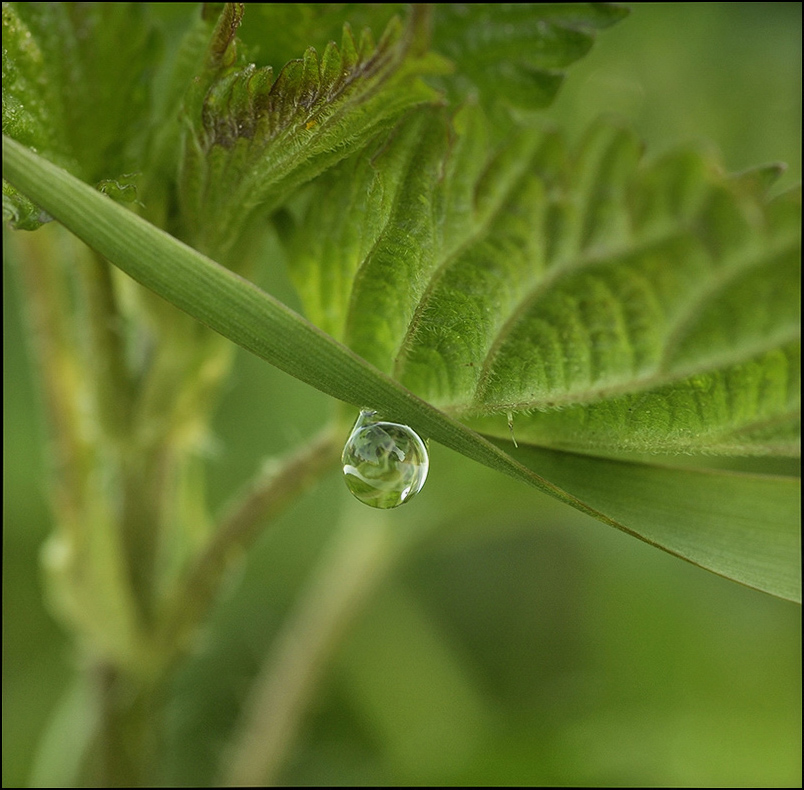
(251,137)
(276,33)
(606,304)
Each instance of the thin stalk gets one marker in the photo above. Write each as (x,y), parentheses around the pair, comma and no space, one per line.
(105,352)
(147,475)
(127,736)
(85,562)
(136,469)
(52,334)
(355,561)
(278,484)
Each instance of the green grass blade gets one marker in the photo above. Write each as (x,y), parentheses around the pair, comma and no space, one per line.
(236,308)
(742,526)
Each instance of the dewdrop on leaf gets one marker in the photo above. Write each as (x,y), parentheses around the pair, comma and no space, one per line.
(384,463)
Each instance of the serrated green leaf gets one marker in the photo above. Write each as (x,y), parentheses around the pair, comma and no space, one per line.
(276,33)
(27,107)
(250,139)
(259,323)
(30,109)
(513,53)
(604,304)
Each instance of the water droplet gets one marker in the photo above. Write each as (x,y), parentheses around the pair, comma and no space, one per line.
(384,463)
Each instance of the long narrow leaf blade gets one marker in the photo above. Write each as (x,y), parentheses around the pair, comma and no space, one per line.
(746,527)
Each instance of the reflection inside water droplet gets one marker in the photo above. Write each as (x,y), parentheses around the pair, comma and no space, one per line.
(384,463)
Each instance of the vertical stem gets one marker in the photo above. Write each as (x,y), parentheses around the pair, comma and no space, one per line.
(114,397)
(145,476)
(279,483)
(52,335)
(127,735)
(358,557)
(106,349)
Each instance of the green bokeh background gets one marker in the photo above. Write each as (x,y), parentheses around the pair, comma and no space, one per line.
(522,642)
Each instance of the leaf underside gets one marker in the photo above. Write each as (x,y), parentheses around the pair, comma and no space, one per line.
(601,304)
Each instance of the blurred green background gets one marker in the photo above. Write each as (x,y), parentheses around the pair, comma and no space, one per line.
(520,642)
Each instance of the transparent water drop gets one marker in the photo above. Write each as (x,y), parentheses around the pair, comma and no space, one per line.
(384,463)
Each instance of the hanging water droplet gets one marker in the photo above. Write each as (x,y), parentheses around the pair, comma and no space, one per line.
(384,463)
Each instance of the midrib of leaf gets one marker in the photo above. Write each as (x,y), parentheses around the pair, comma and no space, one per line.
(766,557)
(450,254)
(413,179)
(510,320)
(527,277)
(575,257)
(412,172)
(409,196)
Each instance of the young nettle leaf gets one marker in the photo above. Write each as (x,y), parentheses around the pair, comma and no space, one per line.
(276,33)
(601,304)
(252,138)
(76,87)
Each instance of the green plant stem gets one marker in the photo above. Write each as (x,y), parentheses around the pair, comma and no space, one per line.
(51,333)
(139,483)
(278,484)
(355,561)
(105,352)
(147,476)
(127,736)
(90,568)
